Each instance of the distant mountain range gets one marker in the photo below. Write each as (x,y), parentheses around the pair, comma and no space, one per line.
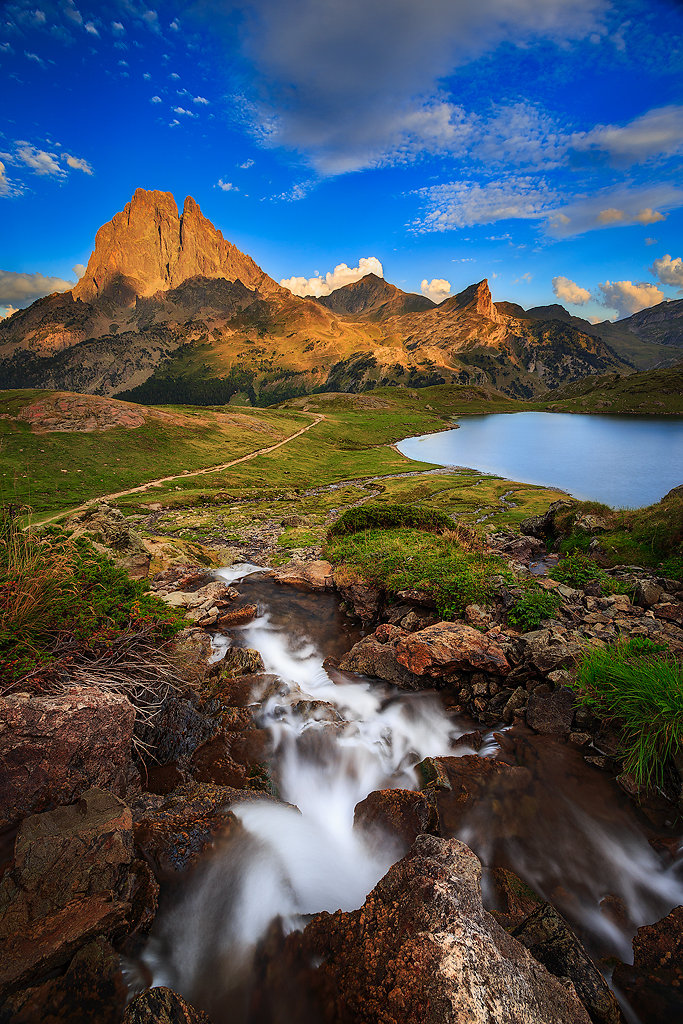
(169,310)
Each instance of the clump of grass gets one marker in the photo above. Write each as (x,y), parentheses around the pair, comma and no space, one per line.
(577,570)
(633,686)
(386,517)
(402,559)
(532,608)
(58,596)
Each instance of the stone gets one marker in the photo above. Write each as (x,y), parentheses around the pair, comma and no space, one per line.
(546,650)
(552,942)
(422,950)
(375,655)
(590,523)
(240,661)
(74,878)
(173,832)
(476,783)
(543,526)
(365,599)
(162,1006)
(647,593)
(54,747)
(149,248)
(551,715)
(313,576)
(515,702)
(671,612)
(448,646)
(508,898)
(400,813)
(654,984)
(91,989)
(178,729)
(237,616)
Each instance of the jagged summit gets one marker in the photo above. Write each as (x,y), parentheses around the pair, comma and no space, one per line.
(375,299)
(148,247)
(474,299)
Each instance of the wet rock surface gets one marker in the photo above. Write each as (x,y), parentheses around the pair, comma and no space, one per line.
(654,984)
(53,748)
(422,949)
(163,1006)
(74,878)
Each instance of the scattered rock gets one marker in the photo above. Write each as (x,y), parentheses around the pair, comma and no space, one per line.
(375,655)
(365,599)
(306,575)
(647,593)
(54,747)
(547,649)
(553,714)
(162,1006)
(654,984)
(448,646)
(235,616)
(240,661)
(401,813)
(552,942)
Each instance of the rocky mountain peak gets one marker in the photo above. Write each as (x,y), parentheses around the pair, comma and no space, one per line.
(374,298)
(148,248)
(474,299)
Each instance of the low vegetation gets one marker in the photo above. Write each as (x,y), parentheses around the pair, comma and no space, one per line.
(636,687)
(386,517)
(533,607)
(402,558)
(64,605)
(649,536)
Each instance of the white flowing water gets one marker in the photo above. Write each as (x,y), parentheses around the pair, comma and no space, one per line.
(335,739)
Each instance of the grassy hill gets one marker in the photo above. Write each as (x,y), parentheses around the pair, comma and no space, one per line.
(650,392)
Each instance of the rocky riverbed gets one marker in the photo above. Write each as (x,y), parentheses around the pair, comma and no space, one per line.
(99,833)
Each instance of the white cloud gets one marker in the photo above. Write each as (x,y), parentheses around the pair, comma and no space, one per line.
(73,13)
(628,297)
(615,207)
(669,271)
(7,186)
(437,289)
(6,311)
(174,75)
(77,163)
(173,123)
(353,84)
(91,29)
(651,241)
(569,291)
(175,25)
(39,160)
(465,203)
(183,112)
(657,133)
(117,28)
(34,57)
(79,270)
(337,278)
(22,289)
(227,186)
(201,100)
(246,165)
(155,99)
(151,18)
(147,77)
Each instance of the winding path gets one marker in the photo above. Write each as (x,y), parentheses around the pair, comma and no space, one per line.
(185,475)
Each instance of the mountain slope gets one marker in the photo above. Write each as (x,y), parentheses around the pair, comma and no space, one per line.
(168,310)
(373,298)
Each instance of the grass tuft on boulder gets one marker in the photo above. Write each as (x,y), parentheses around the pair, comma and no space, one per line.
(387,517)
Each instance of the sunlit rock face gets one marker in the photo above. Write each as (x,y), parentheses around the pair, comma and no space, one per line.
(148,248)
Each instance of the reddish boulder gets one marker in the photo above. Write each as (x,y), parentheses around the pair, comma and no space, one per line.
(401,813)
(449,646)
(375,655)
(654,984)
(73,878)
(422,950)
(54,747)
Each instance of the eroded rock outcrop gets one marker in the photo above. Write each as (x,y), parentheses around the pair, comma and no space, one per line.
(54,747)
(423,950)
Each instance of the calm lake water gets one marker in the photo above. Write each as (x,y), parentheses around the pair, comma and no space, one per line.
(623,461)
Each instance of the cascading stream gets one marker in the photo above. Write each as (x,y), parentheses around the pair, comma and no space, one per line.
(335,739)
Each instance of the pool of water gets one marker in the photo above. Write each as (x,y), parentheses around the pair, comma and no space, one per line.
(623,461)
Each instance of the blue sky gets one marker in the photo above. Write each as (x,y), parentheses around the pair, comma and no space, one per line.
(537,144)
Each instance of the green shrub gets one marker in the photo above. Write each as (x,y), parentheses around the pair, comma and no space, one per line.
(634,686)
(401,559)
(576,570)
(386,517)
(532,608)
(55,593)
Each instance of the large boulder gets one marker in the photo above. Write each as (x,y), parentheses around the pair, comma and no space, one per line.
(162,1006)
(54,747)
(654,984)
(553,713)
(477,785)
(422,950)
(547,649)
(400,813)
(376,655)
(313,576)
(450,646)
(74,878)
(365,599)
